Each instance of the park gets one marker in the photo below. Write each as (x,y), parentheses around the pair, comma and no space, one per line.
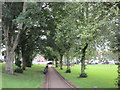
(60,45)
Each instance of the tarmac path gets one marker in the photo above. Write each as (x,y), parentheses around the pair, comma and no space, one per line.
(54,80)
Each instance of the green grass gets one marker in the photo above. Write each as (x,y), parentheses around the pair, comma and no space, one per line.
(100,76)
(0,78)
(29,79)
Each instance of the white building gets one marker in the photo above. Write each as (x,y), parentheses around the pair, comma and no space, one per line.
(39,59)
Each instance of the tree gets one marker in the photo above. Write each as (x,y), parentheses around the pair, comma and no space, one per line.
(11,38)
(58,13)
(15,24)
(37,28)
(89,22)
(93,25)
(115,33)
(65,39)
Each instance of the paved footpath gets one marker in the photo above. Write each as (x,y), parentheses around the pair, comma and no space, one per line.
(54,80)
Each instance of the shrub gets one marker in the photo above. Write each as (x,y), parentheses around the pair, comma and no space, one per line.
(83,75)
(68,71)
(18,63)
(18,70)
(29,63)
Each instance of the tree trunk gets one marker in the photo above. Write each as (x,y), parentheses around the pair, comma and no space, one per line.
(28,61)
(56,64)
(83,74)
(83,65)
(9,63)
(61,63)
(11,43)
(9,53)
(23,55)
(23,58)
(68,66)
(24,63)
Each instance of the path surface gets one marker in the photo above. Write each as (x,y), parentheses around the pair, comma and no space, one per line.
(54,80)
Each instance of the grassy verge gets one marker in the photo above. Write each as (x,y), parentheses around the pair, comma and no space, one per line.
(30,78)
(0,77)
(99,76)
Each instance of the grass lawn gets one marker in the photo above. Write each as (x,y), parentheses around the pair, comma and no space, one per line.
(30,78)
(0,78)
(99,76)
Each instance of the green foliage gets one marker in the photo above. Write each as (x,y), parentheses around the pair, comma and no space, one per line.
(18,63)
(68,71)
(29,63)
(30,16)
(83,75)
(18,70)
(11,10)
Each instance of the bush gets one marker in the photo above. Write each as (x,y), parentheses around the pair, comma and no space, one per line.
(29,63)
(116,63)
(18,70)
(18,63)
(68,71)
(83,75)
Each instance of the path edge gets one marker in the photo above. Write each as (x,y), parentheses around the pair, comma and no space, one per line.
(66,81)
(45,83)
